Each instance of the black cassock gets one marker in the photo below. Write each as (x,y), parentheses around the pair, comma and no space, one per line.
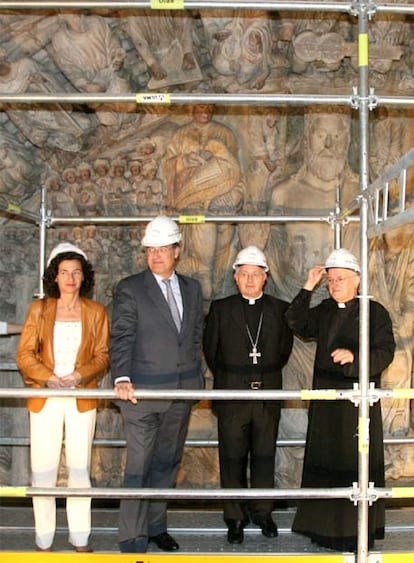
(331,454)
(247,430)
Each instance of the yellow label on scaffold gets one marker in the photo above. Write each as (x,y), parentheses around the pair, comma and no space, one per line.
(363,435)
(13,208)
(167,4)
(191,219)
(13,491)
(324,394)
(402,492)
(149,98)
(363,49)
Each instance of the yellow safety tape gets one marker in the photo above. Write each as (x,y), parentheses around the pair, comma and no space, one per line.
(13,491)
(167,4)
(324,394)
(59,557)
(402,492)
(27,557)
(148,98)
(191,219)
(403,393)
(363,49)
(363,435)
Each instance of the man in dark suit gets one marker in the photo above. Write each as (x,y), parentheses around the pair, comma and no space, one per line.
(246,344)
(156,341)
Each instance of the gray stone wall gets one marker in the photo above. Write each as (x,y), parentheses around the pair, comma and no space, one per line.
(127,159)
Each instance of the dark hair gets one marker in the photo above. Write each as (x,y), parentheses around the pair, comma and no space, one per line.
(51,287)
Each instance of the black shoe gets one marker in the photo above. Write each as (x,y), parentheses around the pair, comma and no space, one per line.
(268,527)
(235,531)
(165,542)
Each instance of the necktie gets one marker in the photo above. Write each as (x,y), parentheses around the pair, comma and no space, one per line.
(172,303)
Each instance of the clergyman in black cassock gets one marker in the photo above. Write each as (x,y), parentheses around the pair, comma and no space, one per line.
(331,454)
(246,344)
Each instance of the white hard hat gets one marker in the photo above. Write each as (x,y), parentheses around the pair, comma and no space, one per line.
(342,258)
(65,247)
(161,231)
(251,256)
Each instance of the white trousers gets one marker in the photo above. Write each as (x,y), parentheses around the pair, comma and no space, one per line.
(60,417)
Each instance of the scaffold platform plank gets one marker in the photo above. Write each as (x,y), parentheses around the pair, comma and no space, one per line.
(201,534)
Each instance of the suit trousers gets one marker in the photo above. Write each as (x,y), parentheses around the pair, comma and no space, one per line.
(247,433)
(155,442)
(60,415)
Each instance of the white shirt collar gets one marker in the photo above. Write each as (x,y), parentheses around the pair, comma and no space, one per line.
(252,301)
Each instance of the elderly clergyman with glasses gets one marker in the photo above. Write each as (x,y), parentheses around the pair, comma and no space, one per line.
(156,338)
(331,455)
(246,344)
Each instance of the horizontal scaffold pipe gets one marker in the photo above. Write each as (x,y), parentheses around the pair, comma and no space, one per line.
(187,394)
(198,219)
(286,5)
(149,98)
(194,494)
(189,443)
(351,493)
(352,8)
(395,100)
(11,208)
(353,395)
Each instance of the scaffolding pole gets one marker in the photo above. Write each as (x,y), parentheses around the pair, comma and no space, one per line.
(351,8)
(363,407)
(268,5)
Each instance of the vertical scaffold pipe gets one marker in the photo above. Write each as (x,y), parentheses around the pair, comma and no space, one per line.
(363,431)
(42,241)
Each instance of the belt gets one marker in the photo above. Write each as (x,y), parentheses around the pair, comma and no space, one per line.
(255,385)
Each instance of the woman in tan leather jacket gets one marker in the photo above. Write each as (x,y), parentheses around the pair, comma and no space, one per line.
(64,344)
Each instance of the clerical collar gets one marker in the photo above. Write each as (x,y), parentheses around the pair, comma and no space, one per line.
(346,304)
(252,301)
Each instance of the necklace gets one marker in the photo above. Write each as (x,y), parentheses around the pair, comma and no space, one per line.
(254,354)
(69,307)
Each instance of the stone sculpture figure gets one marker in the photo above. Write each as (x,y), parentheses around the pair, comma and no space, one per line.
(61,128)
(270,156)
(295,247)
(313,190)
(70,178)
(202,174)
(87,197)
(18,176)
(150,187)
(164,41)
(90,56)
(392,281)
(239,42)
(61,203)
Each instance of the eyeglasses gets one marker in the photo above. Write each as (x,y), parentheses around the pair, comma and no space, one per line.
(159,249)
(340,280)
(247,275)
(67,274)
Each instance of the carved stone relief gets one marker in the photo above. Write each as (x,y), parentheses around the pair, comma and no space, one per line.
(125,159)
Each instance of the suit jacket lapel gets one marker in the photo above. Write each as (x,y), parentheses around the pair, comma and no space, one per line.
(156,296)
(186,299)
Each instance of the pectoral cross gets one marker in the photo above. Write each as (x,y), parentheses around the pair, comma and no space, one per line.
(254,354)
